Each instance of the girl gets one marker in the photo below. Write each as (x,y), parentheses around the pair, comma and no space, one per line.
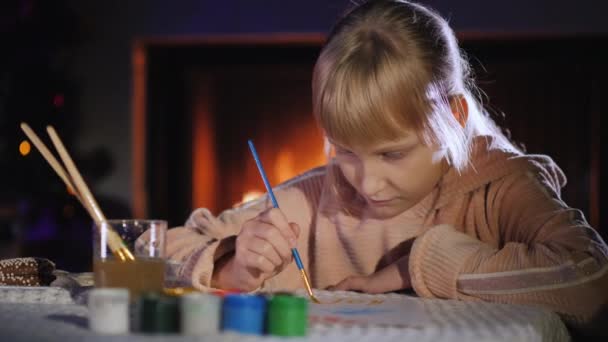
(423,190)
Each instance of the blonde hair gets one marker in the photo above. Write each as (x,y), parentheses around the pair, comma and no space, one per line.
(390,66)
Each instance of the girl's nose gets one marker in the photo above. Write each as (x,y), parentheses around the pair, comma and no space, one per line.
(372,182)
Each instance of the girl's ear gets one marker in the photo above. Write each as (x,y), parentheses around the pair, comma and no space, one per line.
(328,148)
(460,109)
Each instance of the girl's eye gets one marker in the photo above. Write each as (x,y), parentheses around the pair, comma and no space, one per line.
(394,155)
(342,151)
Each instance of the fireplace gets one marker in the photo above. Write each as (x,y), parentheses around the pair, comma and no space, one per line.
(197,102)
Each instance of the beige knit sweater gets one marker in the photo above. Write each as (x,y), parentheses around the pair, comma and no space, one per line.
(498,231)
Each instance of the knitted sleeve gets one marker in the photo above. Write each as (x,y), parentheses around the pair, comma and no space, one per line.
(546,254)
(206,238)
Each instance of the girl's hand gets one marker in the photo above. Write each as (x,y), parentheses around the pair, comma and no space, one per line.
(393,277)
(263,249)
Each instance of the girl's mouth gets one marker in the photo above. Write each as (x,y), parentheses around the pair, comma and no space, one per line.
(380,203)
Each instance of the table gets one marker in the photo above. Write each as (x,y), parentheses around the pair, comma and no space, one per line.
(60,314)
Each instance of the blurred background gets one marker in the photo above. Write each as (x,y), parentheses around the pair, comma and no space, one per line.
(155,101)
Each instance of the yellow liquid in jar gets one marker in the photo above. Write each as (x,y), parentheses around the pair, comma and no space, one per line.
(139,276)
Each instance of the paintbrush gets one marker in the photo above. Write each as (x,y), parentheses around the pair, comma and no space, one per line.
(275,204)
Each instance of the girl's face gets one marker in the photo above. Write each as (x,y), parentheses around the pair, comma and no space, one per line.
(392,176)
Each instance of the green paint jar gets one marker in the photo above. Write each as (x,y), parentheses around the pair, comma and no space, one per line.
(167,315)
(158,313)
(287,315)
(147,312)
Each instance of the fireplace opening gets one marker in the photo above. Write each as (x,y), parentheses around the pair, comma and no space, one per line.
(205,100)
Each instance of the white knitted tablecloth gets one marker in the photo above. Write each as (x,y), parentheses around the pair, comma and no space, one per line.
(56,314)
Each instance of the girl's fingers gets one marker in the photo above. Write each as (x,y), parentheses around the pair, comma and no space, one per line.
(275,217)
(295,228)
(259,262)
(265,248)
(271,235)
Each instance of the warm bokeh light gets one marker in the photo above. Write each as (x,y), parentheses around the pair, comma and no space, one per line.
(25,148)
(250,196)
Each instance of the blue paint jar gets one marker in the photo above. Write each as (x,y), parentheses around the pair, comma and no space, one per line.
(244,313)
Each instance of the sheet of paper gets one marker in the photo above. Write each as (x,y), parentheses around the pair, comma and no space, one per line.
(369,310)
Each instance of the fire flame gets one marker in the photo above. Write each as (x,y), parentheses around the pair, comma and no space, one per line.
(285,167)
(251,195)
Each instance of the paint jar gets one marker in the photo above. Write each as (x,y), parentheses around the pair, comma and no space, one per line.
(287,315)
(159,313)
(244,313)
(168,315)
(147,310)
(200,314)
(109,310)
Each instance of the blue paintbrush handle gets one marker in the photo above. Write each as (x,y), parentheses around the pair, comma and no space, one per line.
(275,204)
(296,256)
(263,174)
